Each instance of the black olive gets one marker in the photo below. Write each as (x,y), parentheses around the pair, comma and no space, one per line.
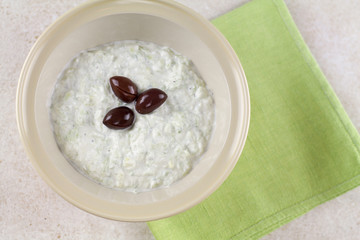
(119,118)
(150,100)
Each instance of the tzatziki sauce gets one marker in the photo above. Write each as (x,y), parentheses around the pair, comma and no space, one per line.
(161,147)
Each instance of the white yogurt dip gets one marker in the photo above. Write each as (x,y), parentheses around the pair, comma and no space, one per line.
(161,147)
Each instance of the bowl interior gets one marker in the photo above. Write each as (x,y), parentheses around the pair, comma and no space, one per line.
(132,21)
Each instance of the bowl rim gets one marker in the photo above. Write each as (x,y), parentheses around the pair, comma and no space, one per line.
(21,119)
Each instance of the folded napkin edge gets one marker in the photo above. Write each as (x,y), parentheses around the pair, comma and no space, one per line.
(300,208)
(328,91)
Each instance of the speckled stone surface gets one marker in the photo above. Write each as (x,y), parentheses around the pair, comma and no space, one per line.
(29,209)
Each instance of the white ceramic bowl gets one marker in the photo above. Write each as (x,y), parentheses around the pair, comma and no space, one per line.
(162,22)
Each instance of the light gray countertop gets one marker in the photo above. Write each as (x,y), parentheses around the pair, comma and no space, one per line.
(29,209)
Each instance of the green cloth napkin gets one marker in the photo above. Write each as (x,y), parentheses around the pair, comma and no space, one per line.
(302,148)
